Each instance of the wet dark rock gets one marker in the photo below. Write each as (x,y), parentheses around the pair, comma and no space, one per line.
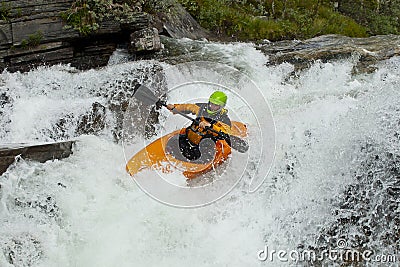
(145,41)
(171,19)
(131,116)
(60,129)
(45,205)
(302,54)
(367,210)
(4,99)
(41,153)
(176,51)
(370,207)
(23,250)
(92,122)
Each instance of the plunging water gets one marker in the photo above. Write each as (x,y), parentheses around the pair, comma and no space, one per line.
(335,172)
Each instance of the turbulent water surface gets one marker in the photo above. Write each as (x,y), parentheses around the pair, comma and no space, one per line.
(335,175)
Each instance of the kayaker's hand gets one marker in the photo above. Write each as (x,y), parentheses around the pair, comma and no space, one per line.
(204,124)
(170,106)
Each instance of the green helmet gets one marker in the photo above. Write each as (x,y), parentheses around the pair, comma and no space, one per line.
(217,98)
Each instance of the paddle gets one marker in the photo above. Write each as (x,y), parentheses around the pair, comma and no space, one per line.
(146,96)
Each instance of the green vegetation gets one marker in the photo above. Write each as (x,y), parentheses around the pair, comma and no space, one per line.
(253,19)
(288,19)
(33,40)
(81,17)
(85,15)
(19,12)
(5,11)
(380,17)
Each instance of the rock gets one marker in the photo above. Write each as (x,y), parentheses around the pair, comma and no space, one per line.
(21,59)
(42,30)
(171,19)
(5,34)
(4,99)
(333,47)
(35,34)
(146,40)
(23,249)
(131,116)
(140,21)
(93,122)
(92,54)
(41,153)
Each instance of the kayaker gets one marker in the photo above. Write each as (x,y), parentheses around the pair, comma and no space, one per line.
(211,115)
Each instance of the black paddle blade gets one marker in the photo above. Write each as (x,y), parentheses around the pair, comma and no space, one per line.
(239,144)
(145,95)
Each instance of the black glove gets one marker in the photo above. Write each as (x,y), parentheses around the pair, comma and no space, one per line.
(196,121)
(160,104)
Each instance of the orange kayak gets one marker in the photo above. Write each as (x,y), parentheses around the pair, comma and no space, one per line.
(164,155)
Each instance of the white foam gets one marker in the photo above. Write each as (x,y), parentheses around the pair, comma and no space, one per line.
(106,220)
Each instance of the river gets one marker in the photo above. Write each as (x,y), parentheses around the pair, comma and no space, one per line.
(331,172)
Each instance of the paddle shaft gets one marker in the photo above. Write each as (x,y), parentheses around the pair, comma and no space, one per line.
(180,113)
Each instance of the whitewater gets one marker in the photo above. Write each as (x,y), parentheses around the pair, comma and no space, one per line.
(86,210)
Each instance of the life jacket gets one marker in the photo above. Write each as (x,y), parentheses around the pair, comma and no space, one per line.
(220,122)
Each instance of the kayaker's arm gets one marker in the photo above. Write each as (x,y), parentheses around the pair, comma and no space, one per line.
(184,108)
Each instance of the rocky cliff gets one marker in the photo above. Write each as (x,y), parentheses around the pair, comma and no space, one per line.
(33,33)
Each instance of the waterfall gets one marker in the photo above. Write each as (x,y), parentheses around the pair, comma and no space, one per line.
(331,171)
